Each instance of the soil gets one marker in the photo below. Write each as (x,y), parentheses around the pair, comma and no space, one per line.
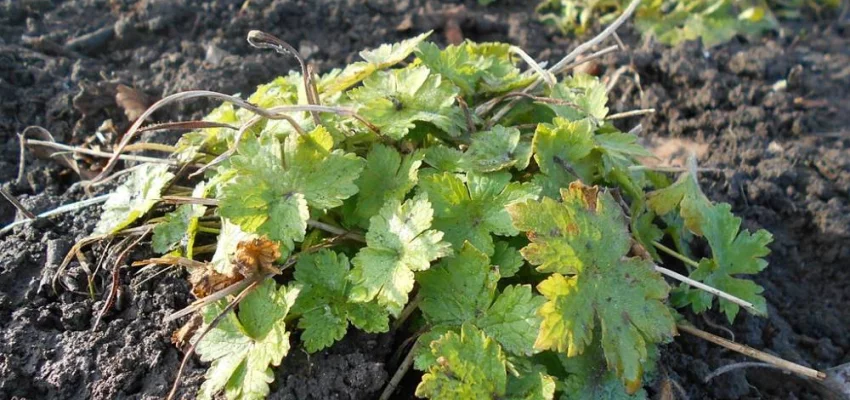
(782,155)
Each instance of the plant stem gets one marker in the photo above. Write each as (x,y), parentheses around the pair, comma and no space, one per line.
(675,254)
(631,113)
(751,352)
(399,374)
(206,229)
(150,146)
(336,230)
(407,311)
(27,213)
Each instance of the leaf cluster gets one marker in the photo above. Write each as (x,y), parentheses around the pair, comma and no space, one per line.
(710,21)
(527,242)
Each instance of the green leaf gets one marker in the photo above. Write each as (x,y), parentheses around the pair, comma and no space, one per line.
(323,303)
(619,150)
(497,149)
(444,159)
(559,149)
(462,289)
(469,366)
(399,242)
(589,379)
(585,238)
(180,226)
(394,100)
(271,188)
(474,210)
(284,90)
(134,198)
(384,56)
(475,68)
(387,176)
(458,289)
(587,95)
(512,319)
(209,140)
(529,382)
(507,259)
(243,348)
(734,252)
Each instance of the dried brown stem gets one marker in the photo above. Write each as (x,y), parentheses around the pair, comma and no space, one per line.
(262,40)
(116,278)
(17,204)
(751,352)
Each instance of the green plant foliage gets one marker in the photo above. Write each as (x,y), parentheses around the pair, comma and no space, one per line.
(323,302)
(469,366)
(711,21)
(245,345)
(388,176)
(474,209)
(462,289)
(485,68)
(734,252)
(133,198)
(496,149)
(180,226)
(589,379)
(399,243)
(590,283)
(525,238)
(273,184)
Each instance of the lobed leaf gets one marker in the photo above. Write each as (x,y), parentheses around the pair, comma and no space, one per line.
(399,242)
(585,238)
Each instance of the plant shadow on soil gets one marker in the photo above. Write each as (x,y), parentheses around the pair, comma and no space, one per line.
(784,160)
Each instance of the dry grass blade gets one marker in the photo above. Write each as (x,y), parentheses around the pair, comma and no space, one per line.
(96,153)
(719,293)
(45,153)
(564,63)
(201,303)
(190,125)
(57,211)
(731,367)
(17,204)
(116,278)
(751,352)
(399,374)
(131,133)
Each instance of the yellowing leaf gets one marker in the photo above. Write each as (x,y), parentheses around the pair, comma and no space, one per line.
(469,366)
(584,241)
(384,56)
(243,348)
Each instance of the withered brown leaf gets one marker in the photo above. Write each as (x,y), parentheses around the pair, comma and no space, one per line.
(181,336)
(206,281)
(256,257)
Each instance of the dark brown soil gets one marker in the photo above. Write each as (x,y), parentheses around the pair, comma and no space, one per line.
(784,156)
